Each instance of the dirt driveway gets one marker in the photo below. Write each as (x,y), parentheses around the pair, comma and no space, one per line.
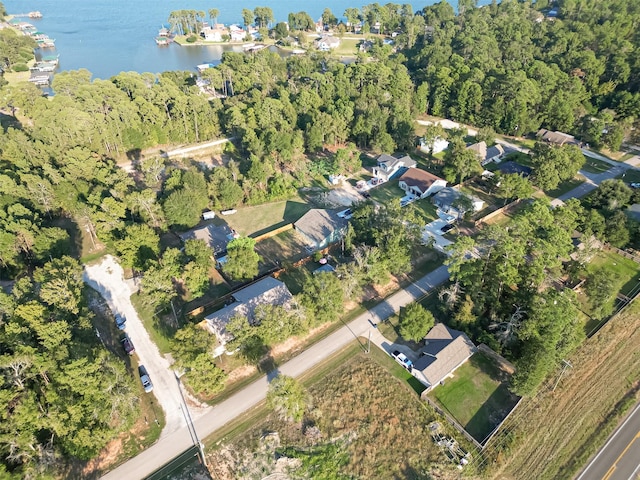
(107,278)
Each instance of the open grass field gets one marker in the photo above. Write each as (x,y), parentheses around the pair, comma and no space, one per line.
(259,219)
(552,435)
(625,268)
(376,419)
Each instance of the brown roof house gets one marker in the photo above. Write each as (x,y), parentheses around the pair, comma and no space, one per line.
(321,227)
(557,138)
(389,167)
(420,183)
(244,302)
(446,349)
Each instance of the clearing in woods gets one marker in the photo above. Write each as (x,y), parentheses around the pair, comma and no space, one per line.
(553,435)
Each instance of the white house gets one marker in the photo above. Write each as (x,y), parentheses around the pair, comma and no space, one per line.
(237,33)
(420,183)
(214,34)
(327,42)
(389,166)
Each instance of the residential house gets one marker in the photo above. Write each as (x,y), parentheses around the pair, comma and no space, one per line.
(365,45)
(237,33)
(216,237)
(447,200)
(420,183)
(557,138)
(321,227)
(445,350)
(514,167)
(487,154)
(244,302)
(389,167)
(215,33)
(327,42)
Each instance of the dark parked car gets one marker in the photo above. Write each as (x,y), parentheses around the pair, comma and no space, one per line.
(144,378)
(120,321)
(127,344)
(446,228)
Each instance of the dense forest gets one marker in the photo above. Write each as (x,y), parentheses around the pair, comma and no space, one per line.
(509,66)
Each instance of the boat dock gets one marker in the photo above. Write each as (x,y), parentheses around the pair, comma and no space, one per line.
(35,14)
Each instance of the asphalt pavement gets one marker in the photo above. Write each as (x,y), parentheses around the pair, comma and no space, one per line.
(619,459)
(174,443)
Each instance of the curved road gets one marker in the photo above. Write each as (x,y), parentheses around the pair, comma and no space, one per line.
(172,444)
(619,459)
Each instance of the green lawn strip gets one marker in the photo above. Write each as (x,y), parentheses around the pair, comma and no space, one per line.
(347,46)
(593,165)
(161,334)
(565,187)
(630,176)
(474,396)
(259,219)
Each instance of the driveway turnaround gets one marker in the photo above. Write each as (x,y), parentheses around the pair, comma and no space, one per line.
(172,444)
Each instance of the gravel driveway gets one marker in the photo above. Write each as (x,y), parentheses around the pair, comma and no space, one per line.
(107,278)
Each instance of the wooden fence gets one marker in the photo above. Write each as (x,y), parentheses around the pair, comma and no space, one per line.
(622,253)
(274,232)
(494,214)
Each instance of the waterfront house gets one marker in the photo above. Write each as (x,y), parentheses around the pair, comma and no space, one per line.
(215,33)
(389,167)
(420,183)
(327,42)
(237,33)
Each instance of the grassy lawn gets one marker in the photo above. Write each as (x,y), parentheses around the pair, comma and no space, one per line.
(477,397)
(625,268)
(565,187)
(285,247)
(630,176)
(347,46)
(259,219)
(387,192)
(158,327)
(518,157)
(379,423)
(593,165)
(425,209)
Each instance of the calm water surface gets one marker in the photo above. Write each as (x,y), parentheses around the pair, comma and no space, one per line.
(110,36)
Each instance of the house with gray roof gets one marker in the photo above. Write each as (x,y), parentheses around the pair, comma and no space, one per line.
(445,350)
(389,167)
(487,154)
(320,227)
(244,302)
(216,236)
(448,199)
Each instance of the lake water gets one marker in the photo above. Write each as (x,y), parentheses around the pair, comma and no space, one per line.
(110,36)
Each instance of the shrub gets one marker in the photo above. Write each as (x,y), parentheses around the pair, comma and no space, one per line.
(20,67)
(191,39)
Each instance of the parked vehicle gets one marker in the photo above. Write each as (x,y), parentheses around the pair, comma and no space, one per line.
(127,344)
(402,359)
(346,214)
(634,185)
(120,321)
(144,378)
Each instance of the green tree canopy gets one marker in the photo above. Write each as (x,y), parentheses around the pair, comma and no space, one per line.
(415,322)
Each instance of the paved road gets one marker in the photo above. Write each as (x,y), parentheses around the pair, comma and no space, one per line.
(107,278)
(175,443)
(619,459)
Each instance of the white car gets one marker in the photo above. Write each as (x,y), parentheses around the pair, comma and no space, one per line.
(634,185)
(346,214)
(402,359)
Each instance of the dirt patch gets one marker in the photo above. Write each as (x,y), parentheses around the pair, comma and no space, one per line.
(240,373)
(108,456)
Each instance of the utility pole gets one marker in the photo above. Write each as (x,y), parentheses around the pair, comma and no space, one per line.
(565,364)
